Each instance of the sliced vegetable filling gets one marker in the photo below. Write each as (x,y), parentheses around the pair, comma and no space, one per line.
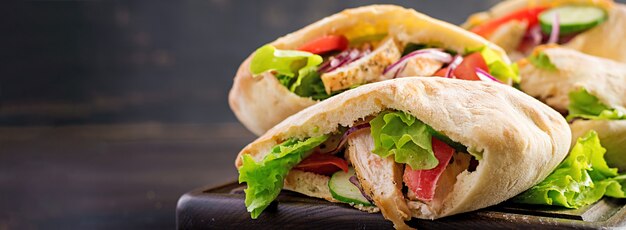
(584,105)
(481,64)
(323,164)
(422,182)
(572,19)
(425,152)
(405,138)
(326,44)
(528,15)
(390,139)
(332,64)
(344,188)
(541,60)
(544,25)
(582,178)
(320,68)
(265,178)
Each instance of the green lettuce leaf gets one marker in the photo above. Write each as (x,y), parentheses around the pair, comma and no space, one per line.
(581,179)
(284,62)
(457,146)
(498,68)
(405,137)
(285,80)
(584,105)
(265,179)
(296,70)
(541,61)
(309,84)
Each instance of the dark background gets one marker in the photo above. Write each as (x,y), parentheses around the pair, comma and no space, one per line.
(109,111)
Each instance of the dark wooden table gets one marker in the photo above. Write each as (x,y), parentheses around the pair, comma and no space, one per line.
(223,207)
(109,176)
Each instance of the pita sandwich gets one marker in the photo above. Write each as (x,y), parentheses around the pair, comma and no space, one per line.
(589,89)
(595,27)
(420,147)
(353,48)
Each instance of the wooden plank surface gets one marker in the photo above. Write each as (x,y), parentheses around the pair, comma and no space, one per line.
(223,207)
(124,176)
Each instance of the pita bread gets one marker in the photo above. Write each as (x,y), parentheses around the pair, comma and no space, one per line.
(603,78)
(521,139)
(262,102)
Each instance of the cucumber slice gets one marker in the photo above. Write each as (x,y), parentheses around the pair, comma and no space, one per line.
(572,18)
(343,190)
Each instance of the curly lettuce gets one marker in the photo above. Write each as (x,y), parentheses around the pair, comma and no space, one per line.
(310,85)
(584,105)
(296,70)
(497,67)
(284,62)
(265,178)
(541,61)
(581,179)
(405,137)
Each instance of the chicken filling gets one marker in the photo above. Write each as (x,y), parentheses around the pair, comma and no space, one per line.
(332,64)
(383,162)
(383,181)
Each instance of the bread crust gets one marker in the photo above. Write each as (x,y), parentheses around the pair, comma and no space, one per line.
(604,40)
(261,102)
(521,139)
(603,78)
(505,7)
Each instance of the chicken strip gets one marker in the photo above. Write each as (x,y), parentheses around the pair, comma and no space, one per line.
(365,70)
(381,178)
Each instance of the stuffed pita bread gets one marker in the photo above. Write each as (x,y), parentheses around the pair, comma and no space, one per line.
(352,48)
(590,90)
(595,27)
(456,146)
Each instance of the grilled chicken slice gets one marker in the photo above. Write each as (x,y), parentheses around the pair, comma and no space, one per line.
(367,69)
(381,178)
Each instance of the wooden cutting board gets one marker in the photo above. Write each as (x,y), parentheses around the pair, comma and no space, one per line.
(223,207)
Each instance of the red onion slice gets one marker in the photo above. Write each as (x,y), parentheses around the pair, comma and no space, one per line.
(483,75)
(355,182)
(554,34)
(344,138)
(536,35)
(342,59)
(323,67)
(531,39)
(456,61)
(400,70)
(433,53)
(339,60)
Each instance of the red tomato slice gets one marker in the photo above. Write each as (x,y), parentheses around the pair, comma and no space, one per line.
(441,72)
(467,69)
(528,14)
(326,44)
(324,164)
(423,182)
